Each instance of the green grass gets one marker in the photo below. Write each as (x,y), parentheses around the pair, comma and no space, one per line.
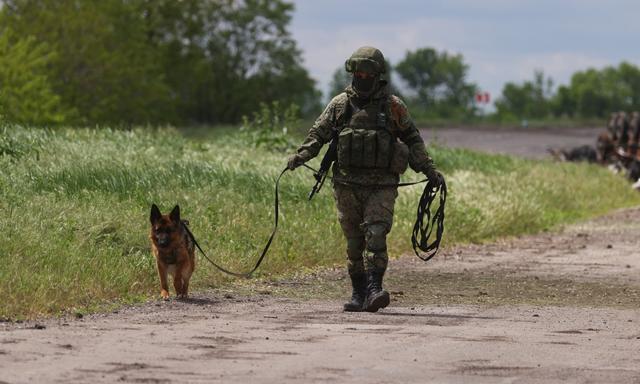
(74,207)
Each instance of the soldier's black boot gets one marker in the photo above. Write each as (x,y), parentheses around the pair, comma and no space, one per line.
(359,294)
(376,296)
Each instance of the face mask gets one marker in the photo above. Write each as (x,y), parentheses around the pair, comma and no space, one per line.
(364,86)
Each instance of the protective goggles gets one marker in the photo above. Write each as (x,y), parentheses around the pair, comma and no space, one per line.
(363,65)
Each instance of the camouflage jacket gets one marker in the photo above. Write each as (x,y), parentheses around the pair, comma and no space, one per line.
(402,127)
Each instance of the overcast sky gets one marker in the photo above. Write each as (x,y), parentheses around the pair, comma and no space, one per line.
(500,40)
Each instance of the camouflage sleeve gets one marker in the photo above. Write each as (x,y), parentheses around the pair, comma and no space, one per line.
(406,131)
(322,130)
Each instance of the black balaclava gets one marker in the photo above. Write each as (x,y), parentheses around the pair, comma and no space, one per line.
(365,87)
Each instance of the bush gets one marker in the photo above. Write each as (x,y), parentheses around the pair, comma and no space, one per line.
(26,93)
(17,144)
(270,127)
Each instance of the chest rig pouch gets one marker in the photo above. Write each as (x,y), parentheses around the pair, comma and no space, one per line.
(367,142)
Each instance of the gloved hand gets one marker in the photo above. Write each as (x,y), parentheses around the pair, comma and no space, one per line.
(294,161)
(434,176)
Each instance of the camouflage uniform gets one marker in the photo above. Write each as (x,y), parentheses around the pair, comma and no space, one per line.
(622,130)
(612,126)
(365,195)
(634,127)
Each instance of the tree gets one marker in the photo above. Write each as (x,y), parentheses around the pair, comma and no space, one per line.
(26,95)
(224,58)
(595,93)
(155,61)
(629,75)
(102,66)
(529,100)
(562,103)
(438,80)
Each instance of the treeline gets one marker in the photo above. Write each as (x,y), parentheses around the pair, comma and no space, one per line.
(591,93)
(436,85)
(147,61)
(107,62)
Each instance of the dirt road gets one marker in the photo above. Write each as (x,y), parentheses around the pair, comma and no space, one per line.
(560,307)
(550,308)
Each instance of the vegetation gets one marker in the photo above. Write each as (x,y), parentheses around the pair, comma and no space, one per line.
(139,62)
(270,127)
(529,100)
(439,82)
(74,207)
(26,94)
(590,94)
(436,88)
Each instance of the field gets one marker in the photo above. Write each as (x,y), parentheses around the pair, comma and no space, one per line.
(75,206)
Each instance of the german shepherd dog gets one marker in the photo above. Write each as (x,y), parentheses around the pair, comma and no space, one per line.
(583,153)
(174,250)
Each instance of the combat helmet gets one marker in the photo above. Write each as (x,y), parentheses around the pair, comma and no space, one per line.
(366,59)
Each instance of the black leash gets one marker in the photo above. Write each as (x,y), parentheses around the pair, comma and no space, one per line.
(422,228)
(266,247)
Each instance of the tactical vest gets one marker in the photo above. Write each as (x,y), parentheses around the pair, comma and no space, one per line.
(366,141)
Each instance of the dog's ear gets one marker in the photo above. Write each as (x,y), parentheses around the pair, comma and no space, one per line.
(175,214)
(155,214)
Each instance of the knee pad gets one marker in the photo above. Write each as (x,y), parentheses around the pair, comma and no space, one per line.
(376,237)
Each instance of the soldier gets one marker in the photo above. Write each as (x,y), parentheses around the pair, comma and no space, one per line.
(612,126)
(622,130)
(634,127)
(367,121)
(605,149)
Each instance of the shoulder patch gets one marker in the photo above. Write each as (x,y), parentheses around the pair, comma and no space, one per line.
(399,113)
(339,105)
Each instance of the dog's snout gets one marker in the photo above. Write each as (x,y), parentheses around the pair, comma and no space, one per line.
(163,239)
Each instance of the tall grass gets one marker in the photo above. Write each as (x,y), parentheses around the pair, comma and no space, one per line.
(74,207)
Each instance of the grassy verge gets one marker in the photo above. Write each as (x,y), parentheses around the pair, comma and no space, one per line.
(74,208)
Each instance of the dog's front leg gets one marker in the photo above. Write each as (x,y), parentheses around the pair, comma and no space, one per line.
(185,282)
(164,287)
(178,281)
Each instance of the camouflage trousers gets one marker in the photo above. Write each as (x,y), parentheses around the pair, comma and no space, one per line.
(366,216)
